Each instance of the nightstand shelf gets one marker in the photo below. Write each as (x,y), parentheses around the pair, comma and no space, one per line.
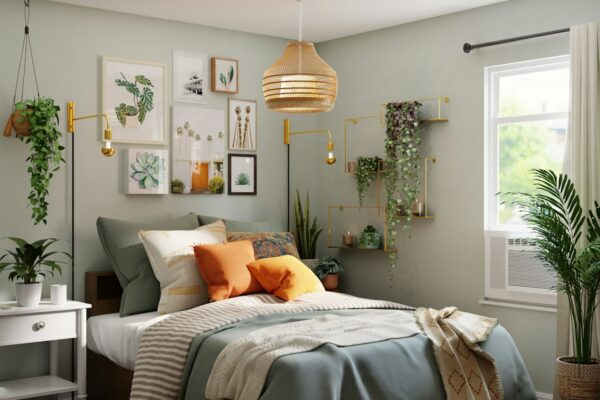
(45,323)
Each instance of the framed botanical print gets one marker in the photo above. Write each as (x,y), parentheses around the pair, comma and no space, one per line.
(224,75)
(198,150)
(133,96)
(242,174)
(241,125)
(147,171)
(190,77)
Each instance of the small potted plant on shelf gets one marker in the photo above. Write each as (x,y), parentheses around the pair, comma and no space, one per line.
(555,215)
(369,238)
(307,232)
(327,270)
(30,261)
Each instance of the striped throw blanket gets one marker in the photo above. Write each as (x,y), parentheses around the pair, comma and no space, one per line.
(163,350)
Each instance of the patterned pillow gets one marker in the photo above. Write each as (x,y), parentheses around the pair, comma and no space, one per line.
(171,255)
(268,244)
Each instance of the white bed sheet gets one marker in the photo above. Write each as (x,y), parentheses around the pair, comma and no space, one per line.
(118,338)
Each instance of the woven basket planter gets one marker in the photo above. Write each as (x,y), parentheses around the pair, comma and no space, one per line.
(577,381)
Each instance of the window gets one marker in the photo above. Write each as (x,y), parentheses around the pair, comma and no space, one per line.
(526,117)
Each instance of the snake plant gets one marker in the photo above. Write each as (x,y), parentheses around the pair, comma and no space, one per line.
(307,230)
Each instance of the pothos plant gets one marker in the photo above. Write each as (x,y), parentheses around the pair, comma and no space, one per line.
(366,173)
(46,151)
(401,166)
(143,98)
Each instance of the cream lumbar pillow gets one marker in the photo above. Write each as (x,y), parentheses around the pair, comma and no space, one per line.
(171,255)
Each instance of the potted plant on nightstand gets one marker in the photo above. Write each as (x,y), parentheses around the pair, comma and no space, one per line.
(30,261)
(307,232)
(327,270)
(555,215)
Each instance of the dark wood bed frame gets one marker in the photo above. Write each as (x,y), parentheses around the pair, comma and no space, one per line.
(105,379)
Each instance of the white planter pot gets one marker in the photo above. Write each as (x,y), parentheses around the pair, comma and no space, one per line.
(311,262)
(28,294)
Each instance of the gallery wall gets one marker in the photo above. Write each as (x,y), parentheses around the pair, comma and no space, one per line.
(68,43)
(442,262)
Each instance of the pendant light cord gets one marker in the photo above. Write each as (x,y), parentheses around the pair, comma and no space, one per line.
(25,51)
(299,20)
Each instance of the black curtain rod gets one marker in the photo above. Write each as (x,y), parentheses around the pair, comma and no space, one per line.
(467,47)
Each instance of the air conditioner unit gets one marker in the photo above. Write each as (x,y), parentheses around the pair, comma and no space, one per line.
(513,271)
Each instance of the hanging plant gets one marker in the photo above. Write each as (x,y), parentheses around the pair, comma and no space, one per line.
(366,173)
(401,166)
(46,151)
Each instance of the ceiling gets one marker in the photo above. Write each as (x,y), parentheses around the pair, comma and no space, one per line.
(323,19)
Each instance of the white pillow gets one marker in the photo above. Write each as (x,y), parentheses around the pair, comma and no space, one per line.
(171,255)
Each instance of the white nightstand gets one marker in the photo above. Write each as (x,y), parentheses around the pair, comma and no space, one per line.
(47,322)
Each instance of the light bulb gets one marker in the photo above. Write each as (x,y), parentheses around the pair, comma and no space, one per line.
(107,150)
(330,158)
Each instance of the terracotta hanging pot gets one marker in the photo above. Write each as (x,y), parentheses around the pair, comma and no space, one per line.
(577,381)
(18,123)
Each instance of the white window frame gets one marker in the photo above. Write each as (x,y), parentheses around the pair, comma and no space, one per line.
(492,227)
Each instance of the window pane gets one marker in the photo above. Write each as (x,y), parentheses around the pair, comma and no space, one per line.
(522,147)
(534,93)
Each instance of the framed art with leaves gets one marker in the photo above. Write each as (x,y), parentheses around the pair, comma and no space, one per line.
(242,174)
(224,75)
(190,77)
(147,171)
(133,96)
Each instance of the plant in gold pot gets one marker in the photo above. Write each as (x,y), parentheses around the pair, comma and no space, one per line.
(555,215)
(327,270)
(30,262)
(307,231)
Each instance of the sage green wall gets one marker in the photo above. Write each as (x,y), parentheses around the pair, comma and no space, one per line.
(442,264)
(68,42)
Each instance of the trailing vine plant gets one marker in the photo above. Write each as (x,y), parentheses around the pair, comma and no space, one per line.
(46,151)
(366,173)
(401,167)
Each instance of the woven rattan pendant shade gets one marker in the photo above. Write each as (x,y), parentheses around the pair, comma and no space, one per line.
(300,81)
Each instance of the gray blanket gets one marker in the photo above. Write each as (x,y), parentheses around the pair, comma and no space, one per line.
(394,369)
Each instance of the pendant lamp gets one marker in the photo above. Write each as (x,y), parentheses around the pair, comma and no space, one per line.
(300,81)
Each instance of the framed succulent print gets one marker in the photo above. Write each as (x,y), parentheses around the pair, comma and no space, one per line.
(241,125)
(224,75)
(242,174)
(147,171)
(198,150)
(190,77)
(133,96)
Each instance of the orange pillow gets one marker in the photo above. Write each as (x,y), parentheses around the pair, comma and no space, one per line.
(223,268)
(286,277)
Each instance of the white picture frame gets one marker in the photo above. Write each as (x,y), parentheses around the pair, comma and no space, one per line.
(242,130)
(135,119)
(190,77)
(147,171)
(197,149)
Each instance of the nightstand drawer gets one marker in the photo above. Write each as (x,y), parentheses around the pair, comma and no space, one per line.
(17,329)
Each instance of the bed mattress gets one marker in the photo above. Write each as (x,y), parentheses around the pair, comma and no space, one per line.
(118,338)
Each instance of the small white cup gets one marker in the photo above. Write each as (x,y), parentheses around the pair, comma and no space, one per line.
(58,294)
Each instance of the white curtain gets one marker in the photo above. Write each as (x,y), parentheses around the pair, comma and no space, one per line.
(582,159)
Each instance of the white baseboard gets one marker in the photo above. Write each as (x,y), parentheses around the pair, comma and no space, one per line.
(543,396)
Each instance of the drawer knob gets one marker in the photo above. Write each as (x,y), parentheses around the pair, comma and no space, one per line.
(38,326)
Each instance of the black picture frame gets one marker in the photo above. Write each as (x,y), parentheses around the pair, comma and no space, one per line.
(230,174)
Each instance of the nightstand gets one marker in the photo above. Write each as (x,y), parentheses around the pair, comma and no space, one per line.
(47,322)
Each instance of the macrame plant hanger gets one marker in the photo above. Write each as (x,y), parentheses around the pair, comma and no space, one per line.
(26,51)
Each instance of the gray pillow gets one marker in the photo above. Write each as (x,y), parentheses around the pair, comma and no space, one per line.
(127,256)
(243,226)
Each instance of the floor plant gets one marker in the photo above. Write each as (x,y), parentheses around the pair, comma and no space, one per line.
(307,229)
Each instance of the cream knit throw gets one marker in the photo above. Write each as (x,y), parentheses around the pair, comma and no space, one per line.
(241,368)
(468,372)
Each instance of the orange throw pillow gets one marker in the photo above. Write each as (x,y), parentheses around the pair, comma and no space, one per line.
(286,277)
(223,268)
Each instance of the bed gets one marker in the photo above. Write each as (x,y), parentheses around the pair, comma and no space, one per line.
(397,369)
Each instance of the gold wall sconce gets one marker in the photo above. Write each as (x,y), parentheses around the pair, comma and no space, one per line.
(330,159)
(107,150)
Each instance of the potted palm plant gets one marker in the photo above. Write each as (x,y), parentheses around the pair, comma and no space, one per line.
(327,270)
(30,261)
(307,232)
(555,215)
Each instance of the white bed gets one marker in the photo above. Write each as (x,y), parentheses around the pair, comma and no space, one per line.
(118,338)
